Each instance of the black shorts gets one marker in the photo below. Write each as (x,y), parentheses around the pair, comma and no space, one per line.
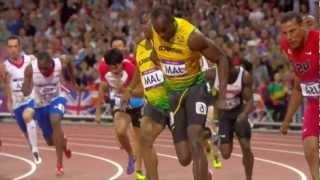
(134,113)
(227,126)
(158,115)
(191,107)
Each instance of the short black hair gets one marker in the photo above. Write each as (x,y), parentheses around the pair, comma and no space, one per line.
(43,56)
(113,57)
(13,38)
(118,38)
(165,11)
(291,15)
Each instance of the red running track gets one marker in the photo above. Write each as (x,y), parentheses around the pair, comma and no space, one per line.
(97,156)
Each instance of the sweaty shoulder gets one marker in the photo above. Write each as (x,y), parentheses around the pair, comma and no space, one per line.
(197,41)
(185,29)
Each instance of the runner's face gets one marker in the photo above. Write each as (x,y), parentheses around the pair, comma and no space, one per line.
(294,33)
(118,44)
(45,66)
(164,28)
(13,48)
(116,69)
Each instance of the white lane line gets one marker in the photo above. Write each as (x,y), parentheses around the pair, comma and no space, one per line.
(282,142)
(115,164)
(300,173)
(274,150)
(32,165)
(171,146)
(297,171)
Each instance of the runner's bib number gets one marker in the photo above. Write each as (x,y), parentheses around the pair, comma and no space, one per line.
(174,68)
(310,89)
(152,79)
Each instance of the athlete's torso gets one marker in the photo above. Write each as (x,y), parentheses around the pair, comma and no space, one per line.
(16,73)
(233,94)
(179,63)
(46,88)
(305,61)
(116,80)
(152,77)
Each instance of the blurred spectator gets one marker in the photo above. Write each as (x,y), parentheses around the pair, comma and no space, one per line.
(247,30)
(278,95)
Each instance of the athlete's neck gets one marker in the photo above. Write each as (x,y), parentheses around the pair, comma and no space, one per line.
(304,40)
(148,44)
(50,71)
(17,61)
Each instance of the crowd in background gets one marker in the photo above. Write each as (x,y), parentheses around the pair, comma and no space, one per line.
(248,31)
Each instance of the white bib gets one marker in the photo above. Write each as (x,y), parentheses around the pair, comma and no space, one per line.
(152,78)
(174,68)
(311,89)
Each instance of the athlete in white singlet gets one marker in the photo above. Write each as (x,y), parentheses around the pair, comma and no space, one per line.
(18,104)
(44,76)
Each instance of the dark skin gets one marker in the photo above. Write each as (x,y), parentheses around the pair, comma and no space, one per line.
(149,129)
(166,28)
(57,138)
(198,43)
(247,97)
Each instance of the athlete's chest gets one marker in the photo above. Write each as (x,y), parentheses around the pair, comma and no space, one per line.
(305,62)
(116,80)
(40,80)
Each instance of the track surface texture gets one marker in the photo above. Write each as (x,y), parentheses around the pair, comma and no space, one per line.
(96,155)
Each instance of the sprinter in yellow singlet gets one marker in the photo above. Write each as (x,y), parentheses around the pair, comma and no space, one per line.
(177,48)
(156,110)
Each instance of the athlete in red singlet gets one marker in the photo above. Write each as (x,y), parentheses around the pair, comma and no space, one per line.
(301,45)
(115,76)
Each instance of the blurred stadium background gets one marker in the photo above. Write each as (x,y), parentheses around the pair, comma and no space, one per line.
(82,30)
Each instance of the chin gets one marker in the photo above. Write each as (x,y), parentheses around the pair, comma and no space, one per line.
(293,46)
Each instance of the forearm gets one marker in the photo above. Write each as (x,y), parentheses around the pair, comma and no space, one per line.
(134,82)
(26,89)
(7,91)
(223,72)
(248,106)
(100,100)
(138,91)
(294,103)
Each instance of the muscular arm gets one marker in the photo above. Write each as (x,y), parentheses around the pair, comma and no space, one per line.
(2,73)
(294,102)
(135,87)
(67,68)
(102,89)
(198,42)
(138,91)
(247,93)
(28,81)
(7,88)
